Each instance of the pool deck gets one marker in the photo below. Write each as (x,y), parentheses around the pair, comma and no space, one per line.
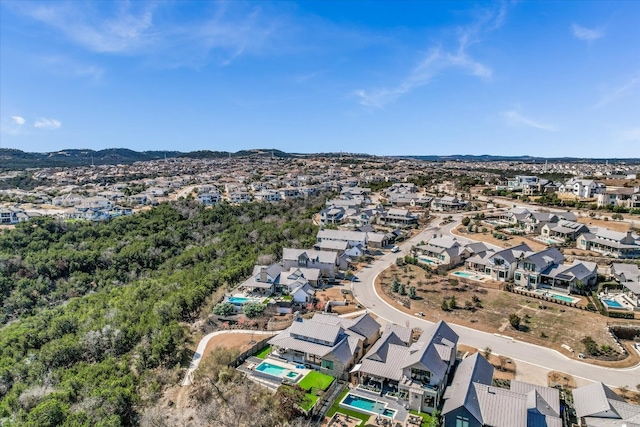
(248,367)
(471,275)
(401,413)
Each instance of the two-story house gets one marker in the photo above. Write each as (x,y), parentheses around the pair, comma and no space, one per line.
(416,371)
(327,343)
(498,265)
(325,261)
(611,243)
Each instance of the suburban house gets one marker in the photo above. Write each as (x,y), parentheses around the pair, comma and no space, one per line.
(267,195)
(625,197)
(532,264)
(417,372)
(338,246)
(353,238)
(263,279)
(448,204)
(310,275)
(332,215)
(398,218)
(472,401)
(574,277)
(610,243)
(534,221)
(448,251)
(209,199)
(597,405)
(327,343)
(583,188)
(563,230)
(12,216)
(628,275)
(325,261)
(498,265)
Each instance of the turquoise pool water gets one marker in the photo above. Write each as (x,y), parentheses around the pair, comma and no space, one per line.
(559,297)
(268,368)
(426,260)
(611,303)
(464,274)
(241,300)
(362,404)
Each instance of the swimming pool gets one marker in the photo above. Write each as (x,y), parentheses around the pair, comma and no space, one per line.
(463,274)
(241,300)
(426,260)
(611,303)
(559,297)
(268,368)
(368,406)
(277,371)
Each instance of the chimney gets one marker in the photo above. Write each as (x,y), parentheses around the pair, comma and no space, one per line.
(263,274)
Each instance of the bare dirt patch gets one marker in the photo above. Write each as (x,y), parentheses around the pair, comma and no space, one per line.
(335,294)
(242,342)
(504,367)
(543,323)
(556,378)
(601,223)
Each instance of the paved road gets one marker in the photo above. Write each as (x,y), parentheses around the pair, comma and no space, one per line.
(365,292)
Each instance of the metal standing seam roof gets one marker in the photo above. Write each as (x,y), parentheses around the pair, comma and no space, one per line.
(593,399)
(550,395)
(501,407)
(326,257)
(316,330)
(461,393)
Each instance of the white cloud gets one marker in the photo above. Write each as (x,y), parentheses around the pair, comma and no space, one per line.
(620,91)
(586,34)
(18,120)
(515,118)
(438,60)
(47,124)
(227,30)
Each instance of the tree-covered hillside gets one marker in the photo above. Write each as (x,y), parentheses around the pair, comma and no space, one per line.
(99,305)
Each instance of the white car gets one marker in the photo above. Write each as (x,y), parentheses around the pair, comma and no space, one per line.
(395,249)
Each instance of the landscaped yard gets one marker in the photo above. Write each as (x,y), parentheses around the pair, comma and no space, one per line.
(486,307)
(309,400)
(427,420)
(316,380)
(353,414)
(262,354)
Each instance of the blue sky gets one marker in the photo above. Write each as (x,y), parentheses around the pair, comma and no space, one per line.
(389,78)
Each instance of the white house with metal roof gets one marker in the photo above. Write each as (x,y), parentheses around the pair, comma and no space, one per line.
(611,243)
(417,372)
(598,406)
(327,343)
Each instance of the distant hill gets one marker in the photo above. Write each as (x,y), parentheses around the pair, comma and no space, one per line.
(12,159)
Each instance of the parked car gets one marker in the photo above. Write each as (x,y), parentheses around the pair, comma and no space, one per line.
(395,249)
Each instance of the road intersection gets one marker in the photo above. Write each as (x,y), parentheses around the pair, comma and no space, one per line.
(364,291)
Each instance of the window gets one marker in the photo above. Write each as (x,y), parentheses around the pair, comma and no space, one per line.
(420,375)
(327,364)
(518,276)
(429,401)
(312,358)
(462,421)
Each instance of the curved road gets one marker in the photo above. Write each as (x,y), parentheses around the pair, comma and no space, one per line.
(365,292)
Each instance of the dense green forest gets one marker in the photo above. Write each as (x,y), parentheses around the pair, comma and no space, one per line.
(93,308)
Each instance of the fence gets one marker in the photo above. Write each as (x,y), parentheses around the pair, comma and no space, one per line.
(253,350)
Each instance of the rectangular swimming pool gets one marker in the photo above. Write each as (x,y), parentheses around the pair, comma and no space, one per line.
(426,260)
(463,274)
(611,303)
(368,406)
(268,368)
(277,371)
(241,300)
(559,297)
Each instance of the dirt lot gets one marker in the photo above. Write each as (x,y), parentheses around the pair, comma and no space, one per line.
(611,225)
(334,294)
(543,323)
(240,341)
(488,238)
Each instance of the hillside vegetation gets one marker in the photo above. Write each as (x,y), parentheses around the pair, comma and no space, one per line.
(99,306)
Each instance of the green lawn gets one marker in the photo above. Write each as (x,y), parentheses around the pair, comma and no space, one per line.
(317,380)
(427,420)
(262,354)
(353,414)
(309,401)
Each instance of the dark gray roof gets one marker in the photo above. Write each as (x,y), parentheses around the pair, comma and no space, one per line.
(473,369)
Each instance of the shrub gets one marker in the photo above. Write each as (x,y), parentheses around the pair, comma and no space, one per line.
(466,220)
(253,309)
(224,309)
(412,292)
(395,285)
(452,302)
(444,306)
(514,320)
